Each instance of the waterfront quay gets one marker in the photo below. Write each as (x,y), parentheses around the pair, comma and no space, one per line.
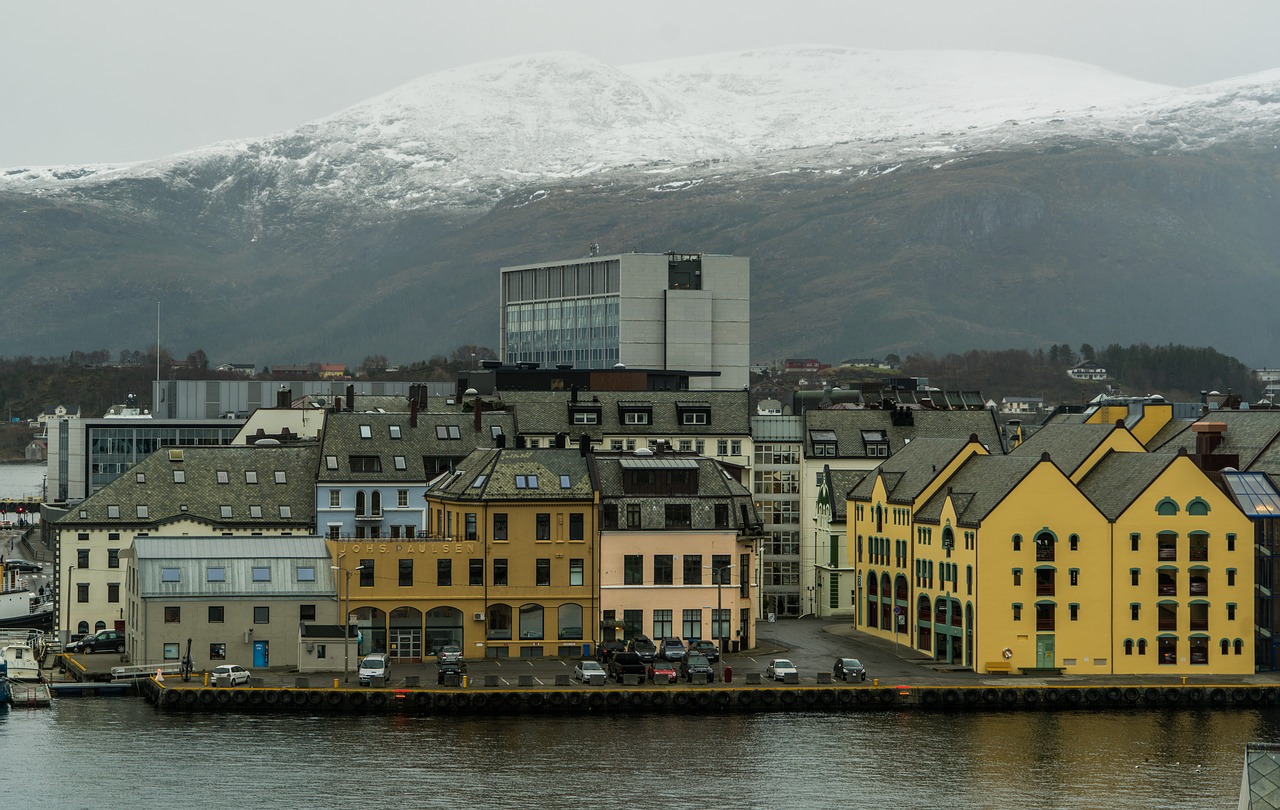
(898,679)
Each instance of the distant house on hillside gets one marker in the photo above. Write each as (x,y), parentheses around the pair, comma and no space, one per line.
(1087,370)
(1021,406)
(243,369)
(803,366)
(37,450)
(332,371)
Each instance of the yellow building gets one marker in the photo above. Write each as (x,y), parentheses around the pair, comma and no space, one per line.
(507,570)
(1097,558)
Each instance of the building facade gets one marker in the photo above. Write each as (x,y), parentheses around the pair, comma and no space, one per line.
(657,311)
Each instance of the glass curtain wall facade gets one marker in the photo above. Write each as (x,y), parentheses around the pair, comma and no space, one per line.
(115,448)
(562,314)
(775,483)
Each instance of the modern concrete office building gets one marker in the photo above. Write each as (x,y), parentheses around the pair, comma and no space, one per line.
(647,310)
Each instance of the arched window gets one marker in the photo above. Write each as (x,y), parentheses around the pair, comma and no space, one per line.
(1198,506)
(922,607)
(499,622)
(1128,646)
(99,626)
(1142,646)
(569,621)
(873,584)
(82,628)
(360,502)
(1045,546)
(376,501)
(1167,506)
(1226,646)
(1239,646)
(531,621)
(1017,542)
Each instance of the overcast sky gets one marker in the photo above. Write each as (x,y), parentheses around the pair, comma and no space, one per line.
(90,81)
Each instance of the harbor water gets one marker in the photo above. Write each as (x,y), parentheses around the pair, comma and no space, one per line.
(120,752)
(20,481)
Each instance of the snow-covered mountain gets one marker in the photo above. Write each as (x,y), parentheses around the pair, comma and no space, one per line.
(467,136)
(889,201)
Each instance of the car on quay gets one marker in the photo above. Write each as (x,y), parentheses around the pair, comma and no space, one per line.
(643,647)
(606,649)
(101,641)
(374,665)
(228,675)
(705,647)
(587,670)
(697,665)
(627,663)
(849,669)
(662,672)
(779,669)
(671,649)
(449,652)
(23,566)
(451,673)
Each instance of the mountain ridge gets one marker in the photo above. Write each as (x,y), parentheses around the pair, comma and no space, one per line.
(372,222)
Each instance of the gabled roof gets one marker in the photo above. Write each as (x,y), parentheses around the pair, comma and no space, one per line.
(450,435)
(909,471)
(1119,478)
(980,484)
(528,474)
(848,427)
(1254,436)
(200,496)
(1068,445)
(841,482)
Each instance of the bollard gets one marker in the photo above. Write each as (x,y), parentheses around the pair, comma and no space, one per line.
(335,683)
(728,674)
(464,681)
(875,681)
(1184,680)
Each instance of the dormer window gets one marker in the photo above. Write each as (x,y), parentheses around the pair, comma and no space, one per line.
(824,443)
(448,432)
(584,413)
(526,482)
(694,413)
(875,443)
(636,413)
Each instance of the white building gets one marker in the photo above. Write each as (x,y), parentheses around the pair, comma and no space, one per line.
(688,311)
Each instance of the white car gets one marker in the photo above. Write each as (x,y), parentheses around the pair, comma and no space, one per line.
(229,675)
(585,669)
(779,668)
(374,665)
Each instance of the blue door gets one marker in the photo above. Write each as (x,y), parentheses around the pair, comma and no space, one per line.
(261,654)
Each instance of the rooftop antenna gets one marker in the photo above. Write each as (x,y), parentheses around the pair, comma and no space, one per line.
(593,249)
(155,405)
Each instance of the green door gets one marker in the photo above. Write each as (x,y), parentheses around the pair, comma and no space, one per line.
(1044,652)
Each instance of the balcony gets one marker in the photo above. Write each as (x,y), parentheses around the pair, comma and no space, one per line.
(369,517)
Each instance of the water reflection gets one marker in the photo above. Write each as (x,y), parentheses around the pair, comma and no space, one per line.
(113,752)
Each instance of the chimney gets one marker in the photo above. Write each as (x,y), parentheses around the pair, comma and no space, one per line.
(584,444)
(477,412)
(351,397)
(562,440)
(283,397)
(1208,436)
(413,413)
(500,441)
(520,442)
(573,393)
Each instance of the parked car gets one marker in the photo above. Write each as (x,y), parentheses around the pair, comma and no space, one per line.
(606,649)
(23,566)
(374,665)
(586,669)
(643,647)
(662,672)
(705,647)
(697,664)
(228,675)
(626,663)
(450,673)
(849,669)
(779,668)
(449,652)
(101,641)
(671,649)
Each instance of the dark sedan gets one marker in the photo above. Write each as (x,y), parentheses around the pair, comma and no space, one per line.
(849,669)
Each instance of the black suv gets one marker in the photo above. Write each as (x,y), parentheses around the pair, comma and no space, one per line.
(705,647)
(606,649)
(627,663)
(849,669)
(694,664)
(101,641)
(643,647)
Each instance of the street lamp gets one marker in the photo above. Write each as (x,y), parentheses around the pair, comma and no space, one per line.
(721,572)
(67,640)
(346,619)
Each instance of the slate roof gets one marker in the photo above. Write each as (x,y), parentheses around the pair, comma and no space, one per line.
(841,482)
(546,413)
(1119,478)
(714,485)
(201,497)
(1252,435)
(343,439)
(848,426)
(907,472)
(1068,445)
(500,468)
(1260,787)
(978,486)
